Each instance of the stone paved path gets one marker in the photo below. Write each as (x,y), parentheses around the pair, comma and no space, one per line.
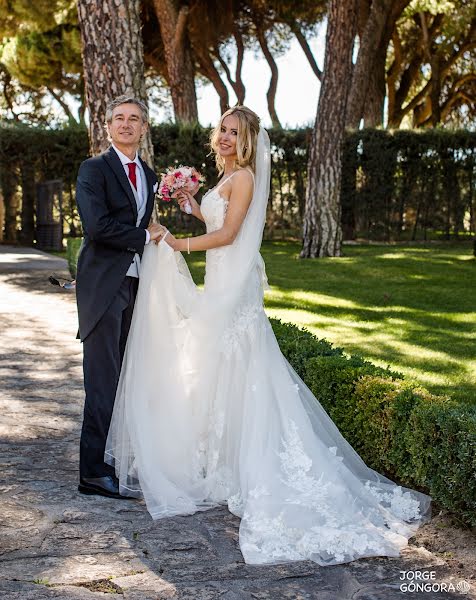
(55,543)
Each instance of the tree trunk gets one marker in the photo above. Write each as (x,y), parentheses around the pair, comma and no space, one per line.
(27,204)
(11,214)
(301,38)
(393,75)
(220,88)
(374,103)
(237,84)
(435,78)
(322,227)
(113,61)
(82,106)
(406,70)
(178,58)
(435,90)
(2,215)
(369,41)
(67,111)
(376,24)
(273,84)
(208,69)
(11,204)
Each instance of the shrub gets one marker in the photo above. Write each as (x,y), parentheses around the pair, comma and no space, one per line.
(298,345)
(73,246)
(399,456)
(350,390)
(442,443)
(398,428)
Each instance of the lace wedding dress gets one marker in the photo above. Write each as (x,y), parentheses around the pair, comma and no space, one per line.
(209,412)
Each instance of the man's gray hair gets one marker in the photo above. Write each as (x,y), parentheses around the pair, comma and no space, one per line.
(126,99)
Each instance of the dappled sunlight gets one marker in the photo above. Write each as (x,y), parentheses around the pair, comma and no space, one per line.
(334,307)
(429,357)
(422,376)
(417,276)
(373,333)
(416,353)
(319,323)
(299,296)
(394,256)
(410,307)
(466,258)
(395,321)
(465,319)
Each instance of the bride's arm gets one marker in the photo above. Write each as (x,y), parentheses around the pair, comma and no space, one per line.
(240,198)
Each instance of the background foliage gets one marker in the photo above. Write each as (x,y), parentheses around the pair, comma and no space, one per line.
(408,184)
(423,56)
(396,184)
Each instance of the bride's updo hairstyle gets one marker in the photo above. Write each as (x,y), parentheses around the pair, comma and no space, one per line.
(247,136)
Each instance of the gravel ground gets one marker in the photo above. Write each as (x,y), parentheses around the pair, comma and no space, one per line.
(56,543)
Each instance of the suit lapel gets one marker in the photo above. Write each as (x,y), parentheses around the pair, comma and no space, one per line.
(151,179)
(114,162)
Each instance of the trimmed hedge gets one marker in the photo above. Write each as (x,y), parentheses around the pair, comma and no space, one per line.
(424,441)
(395,184)
(408,184)
(73,245)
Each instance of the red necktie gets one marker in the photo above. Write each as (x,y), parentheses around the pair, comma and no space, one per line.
(132,173)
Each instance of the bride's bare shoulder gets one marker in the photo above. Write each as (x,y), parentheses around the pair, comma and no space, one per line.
(243,177)
(240,184)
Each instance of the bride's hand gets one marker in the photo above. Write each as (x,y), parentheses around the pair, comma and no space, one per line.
(194,190)
(183,196)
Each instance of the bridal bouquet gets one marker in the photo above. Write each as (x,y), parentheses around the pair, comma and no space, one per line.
(180,178)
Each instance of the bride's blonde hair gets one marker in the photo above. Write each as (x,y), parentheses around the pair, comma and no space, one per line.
(247,136)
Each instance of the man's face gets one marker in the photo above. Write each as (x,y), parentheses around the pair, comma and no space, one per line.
(126,126)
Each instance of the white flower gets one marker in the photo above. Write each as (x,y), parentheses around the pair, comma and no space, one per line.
(186,171)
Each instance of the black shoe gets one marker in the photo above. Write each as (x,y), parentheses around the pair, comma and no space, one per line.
(101,486)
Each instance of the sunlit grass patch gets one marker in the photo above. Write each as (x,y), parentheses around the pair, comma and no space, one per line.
(410,307)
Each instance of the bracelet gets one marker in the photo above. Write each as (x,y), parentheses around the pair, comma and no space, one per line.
(188,245)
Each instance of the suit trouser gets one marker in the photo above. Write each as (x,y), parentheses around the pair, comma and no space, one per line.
(103,351)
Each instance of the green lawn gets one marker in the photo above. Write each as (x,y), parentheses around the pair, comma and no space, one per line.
(410,307)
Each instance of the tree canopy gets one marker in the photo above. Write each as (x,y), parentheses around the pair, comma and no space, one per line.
(422,62)
(431,76)
(40,53)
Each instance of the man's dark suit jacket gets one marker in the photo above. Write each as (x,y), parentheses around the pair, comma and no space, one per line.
(108,212)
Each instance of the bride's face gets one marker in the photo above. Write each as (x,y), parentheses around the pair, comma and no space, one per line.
(228,137)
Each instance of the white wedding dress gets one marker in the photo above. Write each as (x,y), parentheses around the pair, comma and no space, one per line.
(209,412)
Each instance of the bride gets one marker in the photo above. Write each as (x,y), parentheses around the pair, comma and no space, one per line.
(209,412)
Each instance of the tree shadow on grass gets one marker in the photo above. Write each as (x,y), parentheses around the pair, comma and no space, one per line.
(410,307)
(433,331)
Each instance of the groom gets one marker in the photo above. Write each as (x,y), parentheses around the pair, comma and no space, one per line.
(115,197)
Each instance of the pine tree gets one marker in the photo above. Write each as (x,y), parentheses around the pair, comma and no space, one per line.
(113,61)
(322,227)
